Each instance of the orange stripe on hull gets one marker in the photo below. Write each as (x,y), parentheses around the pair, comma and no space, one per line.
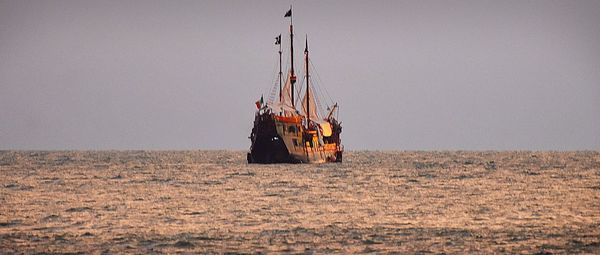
(290,119)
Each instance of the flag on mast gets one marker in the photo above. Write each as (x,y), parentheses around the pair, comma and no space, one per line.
(260,103)
(288,13)
(278,40)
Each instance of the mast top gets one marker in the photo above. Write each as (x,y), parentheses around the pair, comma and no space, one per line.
(306,44)
(292,72)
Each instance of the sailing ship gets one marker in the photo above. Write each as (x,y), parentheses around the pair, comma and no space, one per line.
(282,133)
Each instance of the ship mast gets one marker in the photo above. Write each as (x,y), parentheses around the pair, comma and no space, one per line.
(307,88)
(293,75)
(280,73)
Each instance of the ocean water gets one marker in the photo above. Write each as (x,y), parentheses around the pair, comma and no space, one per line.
(375,202)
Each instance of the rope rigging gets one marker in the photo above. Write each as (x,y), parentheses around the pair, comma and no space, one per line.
(322,107)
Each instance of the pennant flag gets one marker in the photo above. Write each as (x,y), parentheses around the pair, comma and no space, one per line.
(278,40)
(288,13)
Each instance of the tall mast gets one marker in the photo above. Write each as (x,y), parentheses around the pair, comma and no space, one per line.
(307,79)
(293,74)
(280,73)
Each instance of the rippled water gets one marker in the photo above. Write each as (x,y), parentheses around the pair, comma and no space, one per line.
(212,201)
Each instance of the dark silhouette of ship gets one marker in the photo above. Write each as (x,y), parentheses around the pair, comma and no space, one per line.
(282,133)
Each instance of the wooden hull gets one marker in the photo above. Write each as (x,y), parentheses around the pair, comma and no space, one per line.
(277,139)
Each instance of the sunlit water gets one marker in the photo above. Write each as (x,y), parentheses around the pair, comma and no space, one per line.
(212,201)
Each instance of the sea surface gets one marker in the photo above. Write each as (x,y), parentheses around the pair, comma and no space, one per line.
(149,202)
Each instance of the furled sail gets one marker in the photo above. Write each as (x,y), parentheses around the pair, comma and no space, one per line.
(314,116)
(286,96)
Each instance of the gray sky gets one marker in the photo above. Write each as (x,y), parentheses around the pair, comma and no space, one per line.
(408,75)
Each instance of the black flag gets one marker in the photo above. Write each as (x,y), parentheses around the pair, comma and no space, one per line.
(278,40)
(288,13)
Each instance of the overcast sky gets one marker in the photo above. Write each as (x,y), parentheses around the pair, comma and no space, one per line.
(408,75)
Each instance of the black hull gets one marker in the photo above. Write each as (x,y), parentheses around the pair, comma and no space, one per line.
(338,157)
(267,146)
(269,150)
